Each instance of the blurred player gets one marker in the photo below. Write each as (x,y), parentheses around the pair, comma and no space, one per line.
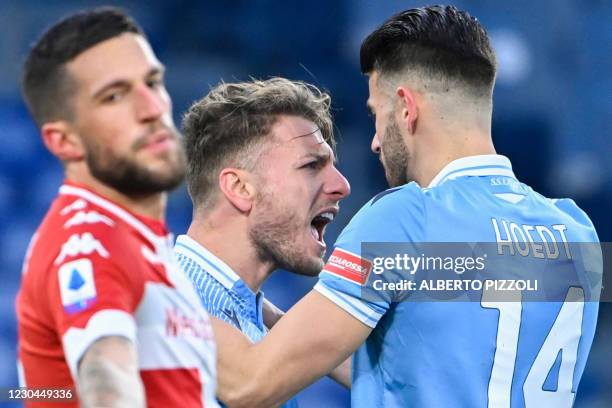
(264,186)
(102,305)
(431,74)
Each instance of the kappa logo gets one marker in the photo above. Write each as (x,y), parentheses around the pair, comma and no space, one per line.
(348,266)
(91,217)
(77,286)
(81,244)
(78,205)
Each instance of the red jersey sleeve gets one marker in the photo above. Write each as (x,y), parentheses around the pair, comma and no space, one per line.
(96,283)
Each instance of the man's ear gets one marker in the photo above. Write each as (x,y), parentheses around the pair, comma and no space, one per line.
(62,141)
(236,185)
(408,109)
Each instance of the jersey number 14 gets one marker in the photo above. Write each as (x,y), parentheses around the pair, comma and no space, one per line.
(563,338)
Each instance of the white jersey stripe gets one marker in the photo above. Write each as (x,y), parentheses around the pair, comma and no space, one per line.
(369,318)
(101,324)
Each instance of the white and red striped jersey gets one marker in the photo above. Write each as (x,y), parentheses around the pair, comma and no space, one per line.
(95,269)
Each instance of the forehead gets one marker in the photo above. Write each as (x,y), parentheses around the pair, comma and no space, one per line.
(298,134)
(379,93)
(119,58)
(288,128)
(373,90)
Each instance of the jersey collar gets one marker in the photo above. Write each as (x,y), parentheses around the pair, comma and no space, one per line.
(209,262)
(483,165)
(223,274)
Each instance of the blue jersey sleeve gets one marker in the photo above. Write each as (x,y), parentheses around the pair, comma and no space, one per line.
(394,216)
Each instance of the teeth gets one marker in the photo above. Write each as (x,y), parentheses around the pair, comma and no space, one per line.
(327,215)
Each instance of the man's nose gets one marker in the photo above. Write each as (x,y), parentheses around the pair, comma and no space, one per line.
(151,104)
(338,185)
(375,145)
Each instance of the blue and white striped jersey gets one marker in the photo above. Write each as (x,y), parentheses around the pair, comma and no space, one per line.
(222,292)
(478,353)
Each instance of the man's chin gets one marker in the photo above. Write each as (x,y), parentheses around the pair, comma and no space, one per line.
(310,269)
(395,181)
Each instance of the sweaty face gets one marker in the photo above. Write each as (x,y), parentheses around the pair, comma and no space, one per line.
(123,115)
(298,192)
(388,141)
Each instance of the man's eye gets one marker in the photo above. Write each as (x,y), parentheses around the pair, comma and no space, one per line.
(154,83)
(311,165)
(112,97)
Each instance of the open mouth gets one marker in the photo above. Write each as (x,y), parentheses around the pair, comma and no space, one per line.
(319,222)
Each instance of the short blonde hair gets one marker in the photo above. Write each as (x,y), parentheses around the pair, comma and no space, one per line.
(225,127)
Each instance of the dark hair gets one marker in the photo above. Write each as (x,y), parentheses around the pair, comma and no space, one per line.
(442,41)
(46,85)
(226,126)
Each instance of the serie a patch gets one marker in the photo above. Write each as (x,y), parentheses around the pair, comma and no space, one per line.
(77,285)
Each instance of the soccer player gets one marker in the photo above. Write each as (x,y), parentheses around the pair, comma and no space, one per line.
(263,183)
(431,74)
(102,305)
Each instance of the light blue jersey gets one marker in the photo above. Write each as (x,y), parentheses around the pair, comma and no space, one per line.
(223,293)
(486,352)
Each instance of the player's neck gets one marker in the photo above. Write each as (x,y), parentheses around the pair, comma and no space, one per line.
(230,242)
(433,157)
(150,205)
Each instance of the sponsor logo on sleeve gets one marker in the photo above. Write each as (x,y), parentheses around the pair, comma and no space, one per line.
(77,286)
(81,244)
(348,266)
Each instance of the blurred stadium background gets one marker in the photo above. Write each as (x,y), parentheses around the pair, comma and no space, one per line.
(553,115)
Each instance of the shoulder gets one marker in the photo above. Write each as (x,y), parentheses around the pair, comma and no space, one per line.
(74,228)
(403,201)
(569,207)
(577,214)
(212,293)
(72,215)
(80,236)
(568,212)
(395,214)
(402,196)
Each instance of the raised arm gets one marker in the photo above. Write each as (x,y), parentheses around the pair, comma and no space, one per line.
(308,342)
(340,374)
(108,375)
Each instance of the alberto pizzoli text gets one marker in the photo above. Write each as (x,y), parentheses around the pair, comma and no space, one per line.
(457,285)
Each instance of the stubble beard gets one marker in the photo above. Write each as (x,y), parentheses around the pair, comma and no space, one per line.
(132,178)
(395,155)
(274,236)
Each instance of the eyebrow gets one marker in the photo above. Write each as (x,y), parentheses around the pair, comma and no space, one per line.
(158,70)
(319,157)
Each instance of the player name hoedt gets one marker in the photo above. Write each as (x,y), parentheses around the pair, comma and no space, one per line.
(538,241)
